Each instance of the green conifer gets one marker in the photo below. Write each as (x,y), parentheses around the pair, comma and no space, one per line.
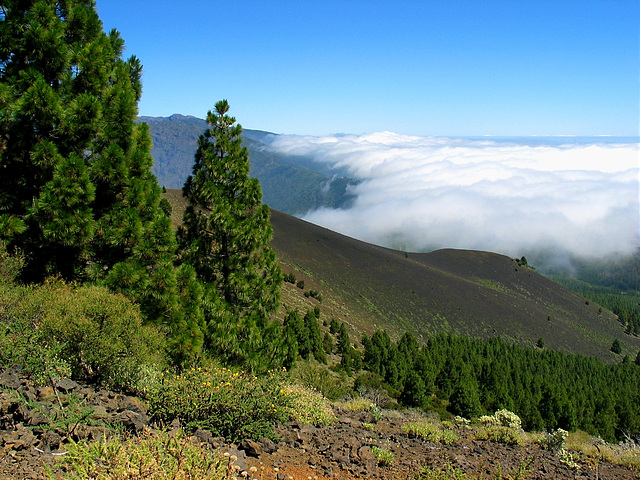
(76,190)
(225,236)
(226,230)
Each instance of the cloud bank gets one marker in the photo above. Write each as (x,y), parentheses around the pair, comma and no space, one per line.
(512,196)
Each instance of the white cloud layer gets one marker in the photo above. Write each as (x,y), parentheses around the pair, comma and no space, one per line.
(507,196)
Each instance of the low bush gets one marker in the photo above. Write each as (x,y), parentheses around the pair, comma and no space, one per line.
(319,377)
(384,456)
(447,472)
(357,405)
(500,434)
(306,405)
(234,404)
(59,330)
(431,432)
(627,454)
(555,440)
(228,403)
(313,294)
(154,455)
(503,418)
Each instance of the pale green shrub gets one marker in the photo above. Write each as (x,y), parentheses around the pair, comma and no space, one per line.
(425,430)
(306,405)
(384,456)
(431,432)
(508,419)
(500,434)
(503,418)
(154,455)
(555,440)
(356,405)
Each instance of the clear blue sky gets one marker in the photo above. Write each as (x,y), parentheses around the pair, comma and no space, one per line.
(447,67)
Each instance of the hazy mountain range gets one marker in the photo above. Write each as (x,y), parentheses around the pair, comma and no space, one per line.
(293,184)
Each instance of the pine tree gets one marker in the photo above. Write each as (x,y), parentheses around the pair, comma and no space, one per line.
(616,347)
(77,196)
(315,336)
(225,236)
(226,230)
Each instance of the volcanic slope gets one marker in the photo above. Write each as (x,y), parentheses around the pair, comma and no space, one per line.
(471,293)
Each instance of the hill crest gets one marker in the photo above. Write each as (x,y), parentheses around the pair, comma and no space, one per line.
(471,293)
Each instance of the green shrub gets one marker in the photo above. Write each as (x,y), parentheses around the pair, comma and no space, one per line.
(57,330)
(228,403)
(384,456)
(10,265)
(501,434)
(431,432)
(154,455)
(320,378)
(357,405)
(447,472)
(234,404)
(313,294)
(306,405)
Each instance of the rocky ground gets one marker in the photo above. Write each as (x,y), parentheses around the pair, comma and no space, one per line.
(34,432)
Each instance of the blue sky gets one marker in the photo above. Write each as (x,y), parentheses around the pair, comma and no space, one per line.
(446,68)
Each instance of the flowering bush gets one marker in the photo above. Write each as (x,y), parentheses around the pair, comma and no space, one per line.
(228,403)
(306,405)
(503,418)
(234,404)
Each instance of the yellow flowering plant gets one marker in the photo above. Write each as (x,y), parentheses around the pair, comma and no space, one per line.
(229,403)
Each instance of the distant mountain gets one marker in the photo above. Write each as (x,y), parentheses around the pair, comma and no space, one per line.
(291,184)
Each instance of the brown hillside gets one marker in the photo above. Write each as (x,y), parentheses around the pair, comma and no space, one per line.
(472,293)
(479,294)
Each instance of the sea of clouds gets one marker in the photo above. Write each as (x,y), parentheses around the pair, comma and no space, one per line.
(515,196)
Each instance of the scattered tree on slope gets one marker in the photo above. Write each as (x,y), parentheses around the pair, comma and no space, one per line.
(225,236)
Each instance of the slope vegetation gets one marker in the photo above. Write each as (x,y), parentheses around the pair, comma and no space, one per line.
(472,293)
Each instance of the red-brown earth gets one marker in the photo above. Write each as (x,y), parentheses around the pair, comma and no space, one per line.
(30,438)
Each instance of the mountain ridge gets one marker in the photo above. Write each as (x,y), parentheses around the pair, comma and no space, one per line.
(289,183)
(466,292)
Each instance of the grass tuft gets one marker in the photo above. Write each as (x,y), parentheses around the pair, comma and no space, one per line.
(153,455)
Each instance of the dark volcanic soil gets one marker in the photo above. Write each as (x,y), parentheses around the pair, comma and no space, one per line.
(30,436)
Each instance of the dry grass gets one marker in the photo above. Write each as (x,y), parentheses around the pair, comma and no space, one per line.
(626,454)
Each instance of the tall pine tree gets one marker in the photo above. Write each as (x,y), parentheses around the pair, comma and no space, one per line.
(77,196)
(225,236)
